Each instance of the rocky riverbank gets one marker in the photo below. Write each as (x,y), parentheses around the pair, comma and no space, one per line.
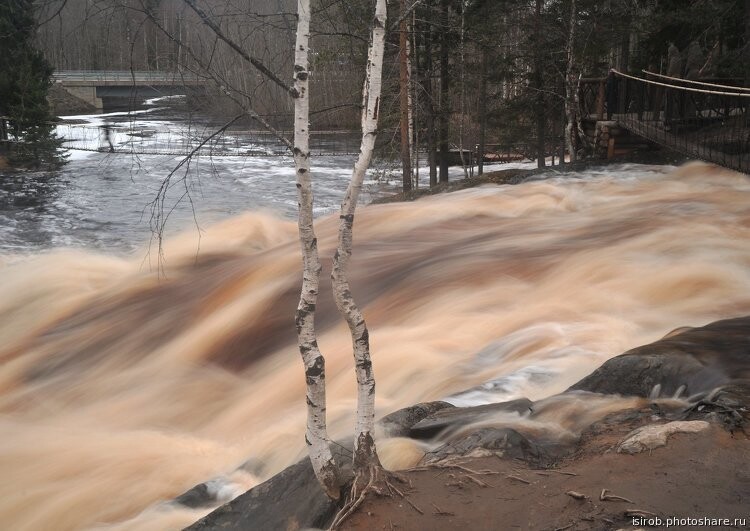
(658,432)
(659,157)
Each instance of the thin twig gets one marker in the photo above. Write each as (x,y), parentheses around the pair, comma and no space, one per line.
(519,479)
(563,472)
(392,487)
(440,512)
(478,481)
(605,496)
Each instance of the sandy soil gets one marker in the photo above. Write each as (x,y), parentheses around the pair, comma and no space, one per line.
(697,475)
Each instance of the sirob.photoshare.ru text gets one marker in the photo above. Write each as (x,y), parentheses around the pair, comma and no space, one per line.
(704,521)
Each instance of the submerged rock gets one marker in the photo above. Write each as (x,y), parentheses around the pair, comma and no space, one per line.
(501,442)
(208,493)
(400,423)
(456,417)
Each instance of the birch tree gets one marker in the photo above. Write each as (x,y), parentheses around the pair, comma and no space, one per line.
(316,436)
(366,463)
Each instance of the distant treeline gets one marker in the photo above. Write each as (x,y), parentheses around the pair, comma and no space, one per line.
(490,71)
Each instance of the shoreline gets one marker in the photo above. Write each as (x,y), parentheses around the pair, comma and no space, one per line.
(666,440)
(517,176)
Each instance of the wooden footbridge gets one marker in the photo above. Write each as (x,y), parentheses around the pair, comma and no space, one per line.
(705,119)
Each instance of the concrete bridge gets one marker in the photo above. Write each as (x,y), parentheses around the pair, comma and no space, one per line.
(93,86)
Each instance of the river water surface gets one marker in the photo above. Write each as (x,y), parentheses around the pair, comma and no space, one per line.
(120,389)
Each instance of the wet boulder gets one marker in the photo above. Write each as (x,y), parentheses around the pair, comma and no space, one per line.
(451,419)
(500,441)
(399,423)
(292,499)
(691,362)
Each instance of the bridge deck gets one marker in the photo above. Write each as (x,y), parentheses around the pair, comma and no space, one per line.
(710,123)
(112,77)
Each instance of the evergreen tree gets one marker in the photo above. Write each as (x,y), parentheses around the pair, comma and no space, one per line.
(24,83)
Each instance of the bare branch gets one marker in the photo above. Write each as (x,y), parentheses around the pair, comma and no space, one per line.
(247,57)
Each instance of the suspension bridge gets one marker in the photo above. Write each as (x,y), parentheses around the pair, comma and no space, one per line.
(704,119)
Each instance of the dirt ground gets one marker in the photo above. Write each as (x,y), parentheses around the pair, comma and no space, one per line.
(697,475)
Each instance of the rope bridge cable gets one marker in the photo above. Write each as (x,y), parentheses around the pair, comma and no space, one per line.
(621,74)
(693,82)
(707,124)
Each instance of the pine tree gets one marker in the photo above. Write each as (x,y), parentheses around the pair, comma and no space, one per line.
(24,83)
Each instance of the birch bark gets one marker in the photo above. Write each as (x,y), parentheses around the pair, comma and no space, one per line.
(316,435)
(365,454)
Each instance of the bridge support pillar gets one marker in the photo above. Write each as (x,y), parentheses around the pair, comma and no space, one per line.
(604,138)
(86,93)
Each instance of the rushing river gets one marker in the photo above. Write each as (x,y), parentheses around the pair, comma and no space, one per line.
(104,201)
(120,390)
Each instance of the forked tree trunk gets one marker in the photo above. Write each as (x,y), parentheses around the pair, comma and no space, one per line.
(316,436)
(365,456)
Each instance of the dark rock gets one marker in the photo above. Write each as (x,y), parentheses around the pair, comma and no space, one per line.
(207,494)
(198,496)
(454,418)
(292,499)
(700,359)
(503,442)
(399,423)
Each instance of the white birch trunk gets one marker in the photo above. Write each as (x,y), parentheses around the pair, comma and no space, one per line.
(365,455)
(316,436)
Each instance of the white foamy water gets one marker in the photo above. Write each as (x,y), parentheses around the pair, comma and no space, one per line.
(120,390)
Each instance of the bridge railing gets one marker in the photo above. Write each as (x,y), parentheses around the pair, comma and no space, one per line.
(699,119)
(126,77)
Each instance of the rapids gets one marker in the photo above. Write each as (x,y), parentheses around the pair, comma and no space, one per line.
(121,389)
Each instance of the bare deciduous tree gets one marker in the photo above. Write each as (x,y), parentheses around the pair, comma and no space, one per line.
(316,436)
(366,462)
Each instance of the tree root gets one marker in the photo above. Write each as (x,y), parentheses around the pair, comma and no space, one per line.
(376,480)
(457,467)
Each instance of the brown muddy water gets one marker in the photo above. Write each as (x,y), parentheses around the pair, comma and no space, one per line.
(119,390)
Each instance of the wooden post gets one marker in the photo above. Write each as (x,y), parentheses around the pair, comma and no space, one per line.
(600,101)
